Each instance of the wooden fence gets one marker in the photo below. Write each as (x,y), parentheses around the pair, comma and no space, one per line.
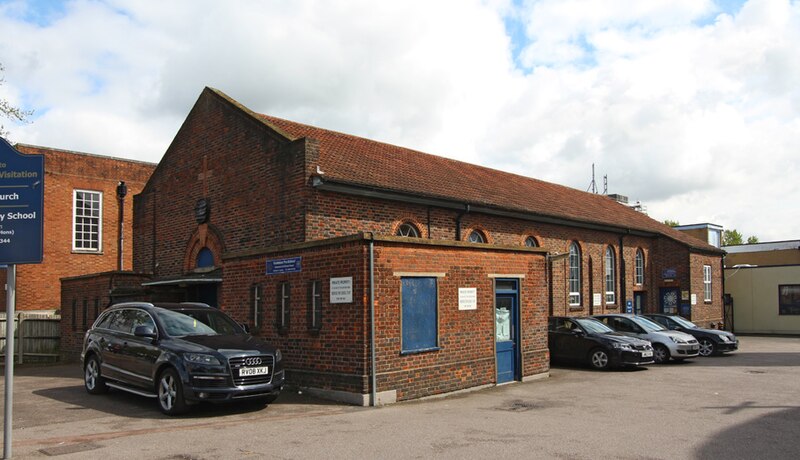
(37,337)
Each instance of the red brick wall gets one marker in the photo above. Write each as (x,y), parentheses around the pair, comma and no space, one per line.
(337,357)
(256,199)
(706,313)
(333,214)
(38,286)
(83,298)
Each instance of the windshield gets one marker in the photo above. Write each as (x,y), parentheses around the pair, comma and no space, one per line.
(684,322)
(193,322)
(649,325)
(594,326)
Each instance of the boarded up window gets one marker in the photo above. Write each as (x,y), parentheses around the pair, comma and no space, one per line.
(420,316)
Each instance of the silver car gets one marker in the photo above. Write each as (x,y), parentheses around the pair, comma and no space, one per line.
(666,343)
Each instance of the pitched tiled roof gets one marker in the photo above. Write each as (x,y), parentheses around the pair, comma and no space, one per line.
(363,162)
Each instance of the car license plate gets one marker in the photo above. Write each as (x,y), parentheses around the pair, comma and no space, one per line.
(647,354)
(249,371)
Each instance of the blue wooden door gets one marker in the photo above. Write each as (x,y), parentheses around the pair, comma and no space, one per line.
(505,314)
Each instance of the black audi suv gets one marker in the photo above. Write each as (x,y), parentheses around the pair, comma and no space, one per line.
(180,354)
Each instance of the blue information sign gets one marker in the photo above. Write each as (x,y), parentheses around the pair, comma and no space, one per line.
(21,206)
(278,266)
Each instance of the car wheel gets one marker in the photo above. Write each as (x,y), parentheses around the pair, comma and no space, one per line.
(94,382)
(707,347)
(170,393)
(598,358)
(660,353)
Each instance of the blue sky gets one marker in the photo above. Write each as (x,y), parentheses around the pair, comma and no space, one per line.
(689,106)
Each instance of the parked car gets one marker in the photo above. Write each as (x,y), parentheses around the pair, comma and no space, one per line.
(712,341)
(666,344)
(180,354)
(587,340)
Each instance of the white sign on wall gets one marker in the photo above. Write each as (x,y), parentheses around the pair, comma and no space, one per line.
(597,300)
(467,298)
(342,290)
(694,299)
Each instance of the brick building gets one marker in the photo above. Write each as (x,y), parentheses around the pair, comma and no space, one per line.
(81,223)
(385,273)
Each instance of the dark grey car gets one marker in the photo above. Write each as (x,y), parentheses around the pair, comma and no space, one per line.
(180,354)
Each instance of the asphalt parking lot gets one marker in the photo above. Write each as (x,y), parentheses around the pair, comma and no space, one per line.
(737,406)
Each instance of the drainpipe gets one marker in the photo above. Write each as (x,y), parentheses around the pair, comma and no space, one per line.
(122,190)
(622,272)
(458,221)
(374,395)
(429,223)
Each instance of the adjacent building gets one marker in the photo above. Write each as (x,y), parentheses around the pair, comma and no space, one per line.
(385,273)
(762,286)
(87,227)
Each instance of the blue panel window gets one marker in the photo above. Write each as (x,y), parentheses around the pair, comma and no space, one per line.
(419,314)
(205,258)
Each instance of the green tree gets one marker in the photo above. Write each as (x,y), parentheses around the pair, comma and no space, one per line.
(731,237)
(9,111)
(671,223)
(752,239)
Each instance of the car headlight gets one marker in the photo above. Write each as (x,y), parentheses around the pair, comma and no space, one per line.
(623,346)
(278,356)
(200,358)
(677,339)
(724,338)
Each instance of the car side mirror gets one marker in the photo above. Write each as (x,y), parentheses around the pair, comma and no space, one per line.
(145,331)
(245,327)
(578,332)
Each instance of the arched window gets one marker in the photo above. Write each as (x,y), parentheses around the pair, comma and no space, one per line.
(476,237)
(407,229)
(531,242)
(639,274)
(205,258)
(574,274)
(611,276)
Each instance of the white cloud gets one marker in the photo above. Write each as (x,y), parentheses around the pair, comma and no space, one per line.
(691,109)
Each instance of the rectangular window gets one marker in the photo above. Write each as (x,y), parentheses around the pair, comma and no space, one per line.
(283,306)
(707,283)
(315,305)
(255,306)
(789,299)
(87,221)
(420,323)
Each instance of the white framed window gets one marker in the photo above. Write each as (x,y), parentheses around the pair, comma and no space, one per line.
(531,242)
(707,283)
(87,221)
(408,229)
(476,237)
(611,276)
(639,272)
(574,274)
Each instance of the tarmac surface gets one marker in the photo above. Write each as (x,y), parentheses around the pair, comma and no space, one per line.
(742,405)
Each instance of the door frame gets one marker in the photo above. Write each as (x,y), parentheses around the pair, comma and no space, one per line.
(514,294)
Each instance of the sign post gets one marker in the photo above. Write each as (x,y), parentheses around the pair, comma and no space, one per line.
(21,225)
